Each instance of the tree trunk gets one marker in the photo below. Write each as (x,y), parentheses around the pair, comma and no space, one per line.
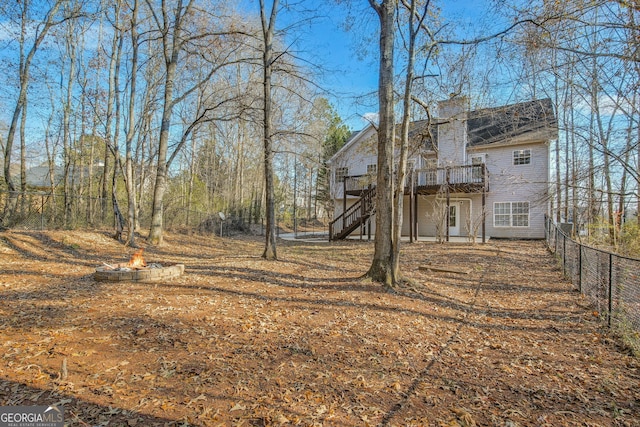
(25,67)
(128,175)
(404,139)
(118,219)
(557,156)
(155,232)
(192,168)
(171,46)
(268,29)
(381,269)
(66,128)
(23,160)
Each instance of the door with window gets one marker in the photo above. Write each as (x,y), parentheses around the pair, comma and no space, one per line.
(477,160)
(454,219)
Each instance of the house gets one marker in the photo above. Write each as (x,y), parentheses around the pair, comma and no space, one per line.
(473,174)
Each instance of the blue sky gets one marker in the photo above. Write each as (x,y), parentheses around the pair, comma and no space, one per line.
(350,57)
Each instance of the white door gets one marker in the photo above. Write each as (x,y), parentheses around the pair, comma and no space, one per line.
(454,219)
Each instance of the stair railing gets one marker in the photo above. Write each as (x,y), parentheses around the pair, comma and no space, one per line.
(363,208)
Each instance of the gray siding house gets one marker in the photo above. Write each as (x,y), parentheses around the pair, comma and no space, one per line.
(474,174)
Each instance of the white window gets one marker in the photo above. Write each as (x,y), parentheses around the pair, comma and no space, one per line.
(341,173)
(453,216)
(372,169)
(502,214)
(520,214)
(522,157)
(511,214)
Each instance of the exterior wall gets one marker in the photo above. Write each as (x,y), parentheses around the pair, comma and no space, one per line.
(356,156)
(338,205)
(518,183)
(430,212)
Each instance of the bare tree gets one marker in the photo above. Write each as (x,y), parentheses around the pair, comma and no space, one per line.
(268,21)
(27,53)
(172,23)
(382,265)
(593,75)
(415,20)
(131,122)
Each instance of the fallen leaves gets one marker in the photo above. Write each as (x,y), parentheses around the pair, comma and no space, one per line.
(462,418)
(241,341)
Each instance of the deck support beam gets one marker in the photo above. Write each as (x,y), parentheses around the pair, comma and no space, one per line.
(485,180)
(344,194)
(415,217)
(411,213)
(447,213)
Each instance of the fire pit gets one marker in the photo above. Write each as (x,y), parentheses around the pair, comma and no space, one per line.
(137,270)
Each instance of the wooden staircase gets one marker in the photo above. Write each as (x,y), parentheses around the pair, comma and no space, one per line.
(355,216)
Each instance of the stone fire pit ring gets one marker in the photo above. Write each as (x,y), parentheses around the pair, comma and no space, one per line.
(150,273)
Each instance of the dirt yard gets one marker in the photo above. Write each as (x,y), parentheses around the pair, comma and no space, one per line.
(241,341)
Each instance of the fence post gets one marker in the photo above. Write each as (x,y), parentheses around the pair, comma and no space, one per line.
(580,267)
(564,255)
(41,212)
(546,229)
(610,287)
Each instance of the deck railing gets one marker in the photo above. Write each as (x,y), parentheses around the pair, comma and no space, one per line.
(359,182)
(465,174)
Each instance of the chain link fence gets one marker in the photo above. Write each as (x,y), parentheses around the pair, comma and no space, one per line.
(40,210)
(48,211)
(611,282)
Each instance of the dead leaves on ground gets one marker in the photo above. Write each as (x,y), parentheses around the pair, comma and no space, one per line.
(241,341)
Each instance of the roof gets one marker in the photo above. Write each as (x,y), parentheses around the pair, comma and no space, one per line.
(484,126)
(490,125)
(353,139)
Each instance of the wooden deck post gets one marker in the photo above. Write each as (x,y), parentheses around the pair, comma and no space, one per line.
(484,216)
(411,208)
(448,176)
(415,217)
(362,224)
(344,195)
(368,211)
(484,202)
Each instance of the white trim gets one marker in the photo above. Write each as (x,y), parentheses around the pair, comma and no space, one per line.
(509,142)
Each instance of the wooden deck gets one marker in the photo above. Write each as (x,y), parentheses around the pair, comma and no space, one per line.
(455,179)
